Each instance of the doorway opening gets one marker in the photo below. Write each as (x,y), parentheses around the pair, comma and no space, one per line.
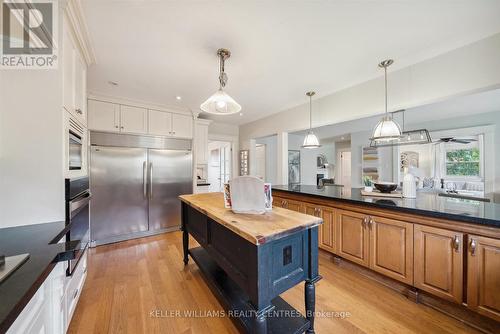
(219,164)
(344,167)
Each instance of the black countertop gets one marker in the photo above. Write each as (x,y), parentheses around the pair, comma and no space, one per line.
(40,241)
(426,204)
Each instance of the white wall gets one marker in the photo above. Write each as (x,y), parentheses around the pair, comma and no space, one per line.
(451,74)
(31,146)
(271,143)
(218,128)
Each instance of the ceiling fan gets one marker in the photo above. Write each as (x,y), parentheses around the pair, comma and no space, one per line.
(455,140)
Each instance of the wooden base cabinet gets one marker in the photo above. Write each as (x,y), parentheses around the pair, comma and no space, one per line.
(439,262)
(353,237)
(483,276)
(287,204)
(327,230)
(391,248)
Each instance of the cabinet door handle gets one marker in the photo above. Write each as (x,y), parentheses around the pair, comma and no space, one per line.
(371,221)
(121,127)
(285,204)
(116,126)
(79,111)
(473,245)
(456,243)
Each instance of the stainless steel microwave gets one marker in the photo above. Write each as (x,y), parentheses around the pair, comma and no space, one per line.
(75,145)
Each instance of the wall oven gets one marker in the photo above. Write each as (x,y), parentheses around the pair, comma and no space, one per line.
(77,217)
(75,145)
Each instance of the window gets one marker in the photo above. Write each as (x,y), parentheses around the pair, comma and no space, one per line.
(463,160)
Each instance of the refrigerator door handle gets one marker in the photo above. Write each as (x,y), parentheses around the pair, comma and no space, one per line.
(150,180)
(144,177)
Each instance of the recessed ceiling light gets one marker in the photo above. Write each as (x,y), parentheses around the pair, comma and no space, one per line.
(178,98)
(113,83)
(342,138)
(241,114)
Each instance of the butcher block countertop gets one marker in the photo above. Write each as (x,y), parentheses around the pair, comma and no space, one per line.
(258,229)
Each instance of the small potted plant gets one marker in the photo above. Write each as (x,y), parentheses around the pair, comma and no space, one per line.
(367,181)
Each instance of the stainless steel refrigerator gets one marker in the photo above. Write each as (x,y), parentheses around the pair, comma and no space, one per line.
(135,182)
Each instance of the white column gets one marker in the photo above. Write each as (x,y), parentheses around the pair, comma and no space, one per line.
(282,159)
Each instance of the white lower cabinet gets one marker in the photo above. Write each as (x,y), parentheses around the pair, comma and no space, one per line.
(74,289)
(51,308)
(43,312)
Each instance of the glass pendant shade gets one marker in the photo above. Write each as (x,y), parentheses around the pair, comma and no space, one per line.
(386,130)
(220,103)
(311,141)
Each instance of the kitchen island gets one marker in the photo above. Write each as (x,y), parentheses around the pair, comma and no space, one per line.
(441,251)
(249,260)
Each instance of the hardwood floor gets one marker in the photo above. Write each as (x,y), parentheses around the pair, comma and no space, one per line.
(128,281)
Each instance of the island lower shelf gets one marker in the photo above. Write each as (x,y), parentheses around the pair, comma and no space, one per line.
(441,258)
(236,302)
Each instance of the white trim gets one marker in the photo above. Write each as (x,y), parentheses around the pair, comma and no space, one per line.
(76,19)
(138,103)
(235,150)
(488,150)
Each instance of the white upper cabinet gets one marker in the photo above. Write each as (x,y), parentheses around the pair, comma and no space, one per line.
(68,71)
(74,77)
(133,119)
(182,126)
(113,117)
(160,123)
(104,116)
(201,143)
(170,124)
(80,89)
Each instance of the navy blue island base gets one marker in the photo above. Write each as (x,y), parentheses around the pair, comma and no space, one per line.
(248,278)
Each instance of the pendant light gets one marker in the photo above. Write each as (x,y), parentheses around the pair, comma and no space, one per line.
(310,141)
(387,129)
(221,103)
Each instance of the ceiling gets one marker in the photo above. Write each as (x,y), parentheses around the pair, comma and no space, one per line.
(474,104)
(157,50)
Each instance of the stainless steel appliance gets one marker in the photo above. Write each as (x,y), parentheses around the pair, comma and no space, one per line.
(75,146)
(135,182)
(77,216)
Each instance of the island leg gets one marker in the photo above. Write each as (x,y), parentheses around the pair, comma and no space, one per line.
(185,234)
(310,296)
(260,323)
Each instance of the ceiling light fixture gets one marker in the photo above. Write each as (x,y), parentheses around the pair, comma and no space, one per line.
(221,103)
(178,98)
(310,141)
(387,129)
(408,137)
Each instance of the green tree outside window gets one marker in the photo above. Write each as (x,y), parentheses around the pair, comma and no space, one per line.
(463,162)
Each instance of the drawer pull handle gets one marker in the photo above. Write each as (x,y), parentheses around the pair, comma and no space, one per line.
(456,243)
(473,247)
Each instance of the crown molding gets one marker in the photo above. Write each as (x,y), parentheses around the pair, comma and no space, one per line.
(76,19)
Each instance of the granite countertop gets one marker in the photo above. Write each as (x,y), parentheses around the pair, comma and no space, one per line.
(427,203)
(257,229)
(40,241)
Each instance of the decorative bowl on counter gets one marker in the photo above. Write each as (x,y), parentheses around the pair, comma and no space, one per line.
(386,187)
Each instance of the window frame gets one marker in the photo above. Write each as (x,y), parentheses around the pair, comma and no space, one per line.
(454,146)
